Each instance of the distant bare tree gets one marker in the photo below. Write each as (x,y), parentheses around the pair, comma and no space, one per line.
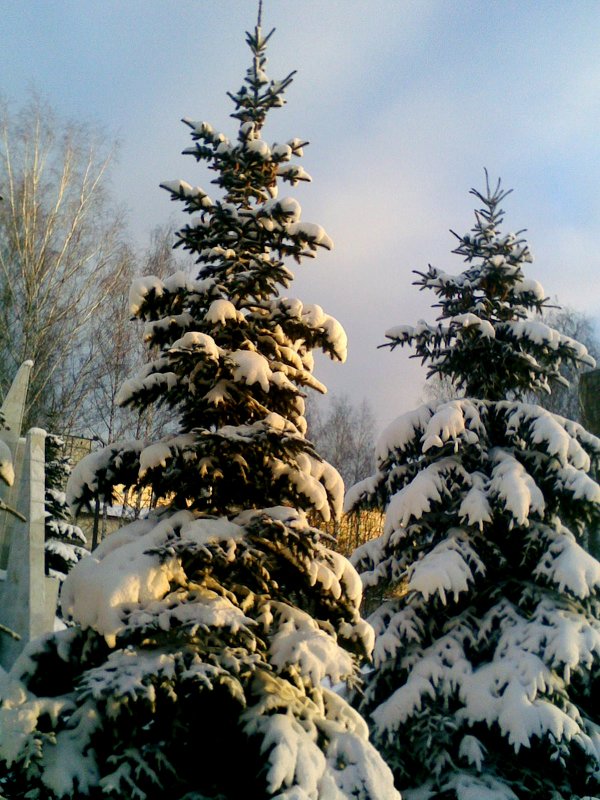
(59,254)
(344,436)
(439,389)
(564,400)
(113,348)
(117,350)
(116,345)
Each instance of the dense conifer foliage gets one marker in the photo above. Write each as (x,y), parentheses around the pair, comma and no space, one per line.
(487,656)
(209,634)
(65,542)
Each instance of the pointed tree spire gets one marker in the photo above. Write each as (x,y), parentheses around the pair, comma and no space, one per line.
(485,341)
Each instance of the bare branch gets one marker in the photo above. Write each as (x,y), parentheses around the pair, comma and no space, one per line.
(60,252)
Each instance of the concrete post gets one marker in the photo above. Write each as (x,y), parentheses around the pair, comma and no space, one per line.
(27,596)
(13,409)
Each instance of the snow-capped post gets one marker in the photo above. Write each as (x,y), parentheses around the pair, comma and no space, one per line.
(487,654)
(207,636)
(27,595)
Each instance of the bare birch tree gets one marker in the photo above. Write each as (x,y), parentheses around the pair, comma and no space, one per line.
(59,254)
(345,436)
(117,349)
(564,400)
(116,346)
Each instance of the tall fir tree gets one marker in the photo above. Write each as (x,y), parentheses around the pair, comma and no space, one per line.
(209,634)
(487,655)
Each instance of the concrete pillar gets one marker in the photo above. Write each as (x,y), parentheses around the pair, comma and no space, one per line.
(27,596)
(13,409)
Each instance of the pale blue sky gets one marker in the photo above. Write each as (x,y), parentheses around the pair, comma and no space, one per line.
(404,104)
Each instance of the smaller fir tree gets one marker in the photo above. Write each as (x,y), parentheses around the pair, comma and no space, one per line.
(65,542)
(487,656)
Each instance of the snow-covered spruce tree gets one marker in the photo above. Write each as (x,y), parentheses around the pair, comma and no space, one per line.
(65,542)
(487,655)
(208,634)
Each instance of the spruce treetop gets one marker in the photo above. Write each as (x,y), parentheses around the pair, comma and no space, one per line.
(485,340)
